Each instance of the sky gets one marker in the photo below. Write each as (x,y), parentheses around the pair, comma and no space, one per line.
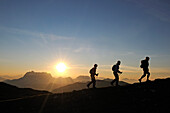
(36,35)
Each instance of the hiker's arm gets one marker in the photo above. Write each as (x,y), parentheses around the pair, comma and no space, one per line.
(119,71)
(97,74)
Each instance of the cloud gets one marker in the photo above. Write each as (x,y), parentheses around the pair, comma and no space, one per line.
(134,70)
(160,69)
(157,8)
(43,36)
(79,67)
(130,68)
(54,37)
(127,53)
(124,68)
(129,80)
(83,49)
(159,55)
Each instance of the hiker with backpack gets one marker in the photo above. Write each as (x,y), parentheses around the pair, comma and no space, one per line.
(92,75)
(115,70)
(145,65)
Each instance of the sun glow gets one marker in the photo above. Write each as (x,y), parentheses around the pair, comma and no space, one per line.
(61,67)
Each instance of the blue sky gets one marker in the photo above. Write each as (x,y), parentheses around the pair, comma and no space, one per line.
(36,34)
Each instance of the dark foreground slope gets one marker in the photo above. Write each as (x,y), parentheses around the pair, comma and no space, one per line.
(150,97)
(81,85)
(8,92)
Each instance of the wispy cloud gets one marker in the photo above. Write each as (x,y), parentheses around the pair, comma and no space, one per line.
(157,8)
(43,36)
(122,67)
(54,37)
(159,55)
(128,53)
(129,80)
(79,67)
(160,69)
(83,49)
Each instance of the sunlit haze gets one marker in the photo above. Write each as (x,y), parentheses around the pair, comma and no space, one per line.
(61,67)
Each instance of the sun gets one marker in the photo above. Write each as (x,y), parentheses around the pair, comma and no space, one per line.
(61,67)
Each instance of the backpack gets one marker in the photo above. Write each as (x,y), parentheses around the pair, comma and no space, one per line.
(114,68)
(142,64)
(91,71)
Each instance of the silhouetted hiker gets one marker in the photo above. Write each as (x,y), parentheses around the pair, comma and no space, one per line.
(92,74)
(145,65)
(115,70)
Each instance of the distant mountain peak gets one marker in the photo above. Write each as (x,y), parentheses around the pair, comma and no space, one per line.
(38,75)
(83,76)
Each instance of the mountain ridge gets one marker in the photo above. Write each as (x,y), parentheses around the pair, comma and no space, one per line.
(45,81)
(39,81)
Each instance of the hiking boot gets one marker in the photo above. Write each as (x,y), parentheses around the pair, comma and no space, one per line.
(111,83)
(147,80)
(117,85)
(88,86)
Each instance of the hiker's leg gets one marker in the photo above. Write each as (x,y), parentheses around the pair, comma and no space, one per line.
(143,75)
(148,76)
(90,82)
(94,82)
(114,79)
(117,79)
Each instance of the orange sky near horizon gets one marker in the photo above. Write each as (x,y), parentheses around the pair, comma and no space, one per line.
(74,71)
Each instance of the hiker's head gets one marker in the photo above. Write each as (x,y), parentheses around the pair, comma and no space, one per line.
(118,62)
(147,58)
(95,65)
